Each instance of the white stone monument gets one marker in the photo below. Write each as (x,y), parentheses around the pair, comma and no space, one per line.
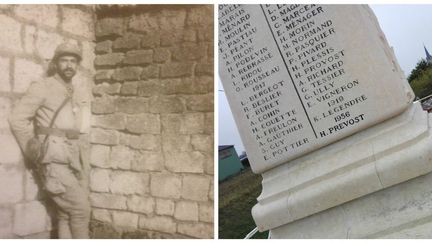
(328,119)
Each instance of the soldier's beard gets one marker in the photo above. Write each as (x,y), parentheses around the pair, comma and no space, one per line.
(67,74)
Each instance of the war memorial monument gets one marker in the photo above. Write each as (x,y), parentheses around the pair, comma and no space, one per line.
(328,119)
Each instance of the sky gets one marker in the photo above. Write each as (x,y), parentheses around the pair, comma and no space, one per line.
(407,28)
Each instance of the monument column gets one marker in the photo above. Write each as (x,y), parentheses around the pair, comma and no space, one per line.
(326,117)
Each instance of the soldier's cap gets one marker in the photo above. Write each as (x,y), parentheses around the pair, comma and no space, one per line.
(67,49)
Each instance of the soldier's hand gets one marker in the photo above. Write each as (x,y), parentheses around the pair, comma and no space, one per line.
(33,149)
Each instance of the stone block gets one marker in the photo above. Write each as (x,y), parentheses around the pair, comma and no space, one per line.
(150,71)
(201,16)
(25,72)
(103,47)
(129,88)
(202,142)
(127,42)
(141,204)
(171,123)
(105,137)
(149,88)
(206,212)
(138,57)
(5,110)
(211,191)
(30,35)
(144,123)
(37,236)
(190,162)
(78,22)
(108,201)
(158,223)
(150,40)
(38,13)
(161,55)
(170,38)
(148,161)
(9,150)
(103,106)
(102,215)
(209,164)
(125,219)
(195,187)
(165,185)
(176,143)
(204,84)
(189,35)
(209,123)
(127,73)
(197,230)
(204,69)
(166,104)
(123,182)
(210,52)
(131,105)
(193,123)
(172,19)
(100,180)
(189,52)
(205,34)
(108,60)
(100,156)
(12,184)
(145,22)
(6,222)
(47,42)
(31,188)
(145,141)
(106,89)
(185,210)
(103,76)
(10,39)
(122,157)
(176,70)
(109,27)
(165,207)
(30,218)
(200,103)
(89,56)
(178,86)
(5,84)
(110,121)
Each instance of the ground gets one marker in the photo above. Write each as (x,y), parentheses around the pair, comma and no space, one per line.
(237,196)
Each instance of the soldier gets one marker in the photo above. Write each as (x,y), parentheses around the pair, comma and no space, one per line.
(50,123)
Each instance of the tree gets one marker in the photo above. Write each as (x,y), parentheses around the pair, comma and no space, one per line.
(420,79)
(421,67)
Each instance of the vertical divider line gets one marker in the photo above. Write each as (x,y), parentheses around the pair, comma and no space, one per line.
(289,73)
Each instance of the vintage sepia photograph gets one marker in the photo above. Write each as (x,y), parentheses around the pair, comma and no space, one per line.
(324,125)
(106,121)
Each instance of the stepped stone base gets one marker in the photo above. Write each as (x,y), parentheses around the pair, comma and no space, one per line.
(370,185)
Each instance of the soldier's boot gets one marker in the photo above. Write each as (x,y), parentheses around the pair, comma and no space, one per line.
(80,219)
(64,231)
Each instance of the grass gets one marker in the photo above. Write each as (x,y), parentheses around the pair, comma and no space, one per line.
(237,196)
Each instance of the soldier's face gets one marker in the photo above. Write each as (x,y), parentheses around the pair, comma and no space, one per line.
(67,66)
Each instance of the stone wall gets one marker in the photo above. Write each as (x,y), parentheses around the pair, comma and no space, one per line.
(29,35)
(152,123)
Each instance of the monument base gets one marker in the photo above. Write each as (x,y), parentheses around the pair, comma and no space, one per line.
(318,186)
(400,211)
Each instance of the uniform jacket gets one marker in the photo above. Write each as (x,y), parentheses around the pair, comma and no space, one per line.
(37,107)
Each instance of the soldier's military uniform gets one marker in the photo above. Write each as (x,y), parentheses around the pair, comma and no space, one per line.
(65,164)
